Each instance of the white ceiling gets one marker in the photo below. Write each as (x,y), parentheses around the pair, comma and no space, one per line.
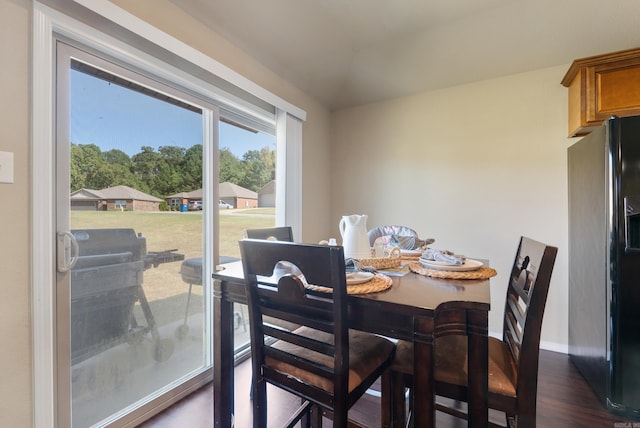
(351,52)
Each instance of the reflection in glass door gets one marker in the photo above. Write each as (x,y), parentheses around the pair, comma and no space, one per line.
(132,208)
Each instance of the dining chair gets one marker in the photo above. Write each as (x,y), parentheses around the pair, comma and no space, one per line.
(513,361)
(387,231)
(280,233)
(323,362)
(402,236)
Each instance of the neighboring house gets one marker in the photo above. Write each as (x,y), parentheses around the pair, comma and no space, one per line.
(267,195)
(176,200)
(117,198)
(234,195)
(86,200)
(237,196)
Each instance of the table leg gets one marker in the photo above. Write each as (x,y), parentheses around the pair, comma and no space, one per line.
(423,367)
(222,359)
(477,368)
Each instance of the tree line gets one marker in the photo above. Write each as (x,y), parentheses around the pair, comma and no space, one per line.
(166,171)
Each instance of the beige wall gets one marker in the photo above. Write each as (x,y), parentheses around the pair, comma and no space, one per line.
(473,166)
(15,304)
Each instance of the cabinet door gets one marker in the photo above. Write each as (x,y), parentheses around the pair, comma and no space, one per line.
(602,86)
(613,89)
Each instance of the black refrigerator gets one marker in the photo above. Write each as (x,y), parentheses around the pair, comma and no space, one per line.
(604,262)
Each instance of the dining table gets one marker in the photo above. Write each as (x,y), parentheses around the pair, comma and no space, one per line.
(416,307)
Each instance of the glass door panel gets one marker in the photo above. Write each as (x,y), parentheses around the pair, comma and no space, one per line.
(247,195)
(138,317)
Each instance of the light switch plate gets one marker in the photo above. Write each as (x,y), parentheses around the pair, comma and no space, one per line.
(6,167)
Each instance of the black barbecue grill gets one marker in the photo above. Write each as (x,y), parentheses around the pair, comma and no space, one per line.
(106,282)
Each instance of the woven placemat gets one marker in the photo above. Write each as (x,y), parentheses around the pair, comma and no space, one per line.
(379,282)
(483,273)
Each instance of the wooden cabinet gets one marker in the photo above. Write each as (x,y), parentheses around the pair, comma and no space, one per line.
(601,86)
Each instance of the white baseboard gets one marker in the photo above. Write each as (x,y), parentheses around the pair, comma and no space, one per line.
(555,347)
(562,348)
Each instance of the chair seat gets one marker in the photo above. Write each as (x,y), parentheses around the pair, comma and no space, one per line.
(451,363)
(367,352)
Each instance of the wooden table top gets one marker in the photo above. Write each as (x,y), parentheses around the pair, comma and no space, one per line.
(413,291)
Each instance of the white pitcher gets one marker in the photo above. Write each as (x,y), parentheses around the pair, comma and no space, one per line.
(355,240)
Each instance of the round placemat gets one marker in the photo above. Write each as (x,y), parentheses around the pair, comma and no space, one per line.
(483,273)
(379,282)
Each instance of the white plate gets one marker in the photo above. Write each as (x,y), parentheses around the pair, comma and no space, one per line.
(469,264)
(358,277)
(411,253)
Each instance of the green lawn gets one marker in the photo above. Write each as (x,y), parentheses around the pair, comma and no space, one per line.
(176,230)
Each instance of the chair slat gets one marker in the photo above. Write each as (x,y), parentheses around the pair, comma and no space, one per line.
(299,362)
(302,341)
(515,310)
(300,319)
(520,289)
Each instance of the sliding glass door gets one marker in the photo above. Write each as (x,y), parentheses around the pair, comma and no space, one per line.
(136,195)
(129,216)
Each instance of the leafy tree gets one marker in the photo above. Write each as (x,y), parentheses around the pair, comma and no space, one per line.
(231,169)
(169,170)
(77,173)
(117,157)
(259,168)
(192,168)
(124,177)
(120,171)
(92,168)
(145,164)
(169,167)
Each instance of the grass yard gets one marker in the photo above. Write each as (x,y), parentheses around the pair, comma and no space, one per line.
(164,288)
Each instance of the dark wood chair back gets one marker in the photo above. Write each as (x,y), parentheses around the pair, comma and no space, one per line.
(513,361)
(281,233)
(312,361)
(523,313)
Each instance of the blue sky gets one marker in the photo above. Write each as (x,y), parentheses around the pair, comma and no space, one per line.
(113,117)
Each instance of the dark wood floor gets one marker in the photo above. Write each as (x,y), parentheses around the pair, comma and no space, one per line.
(564,400)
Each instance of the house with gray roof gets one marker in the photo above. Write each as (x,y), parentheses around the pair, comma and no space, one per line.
(117,198)
(234,195)
(237,196)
